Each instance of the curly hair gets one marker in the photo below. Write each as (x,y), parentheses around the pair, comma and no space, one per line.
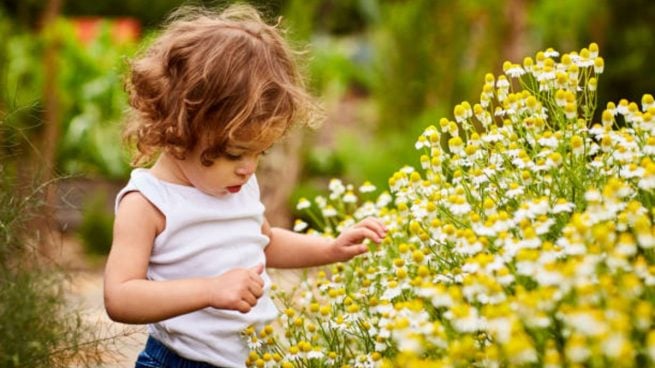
(211,78)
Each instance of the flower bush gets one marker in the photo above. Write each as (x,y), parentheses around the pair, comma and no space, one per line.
(526,238)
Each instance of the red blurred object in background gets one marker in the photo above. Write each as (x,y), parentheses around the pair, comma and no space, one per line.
(123,30)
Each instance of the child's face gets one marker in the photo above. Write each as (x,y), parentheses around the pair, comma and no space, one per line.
(229,172)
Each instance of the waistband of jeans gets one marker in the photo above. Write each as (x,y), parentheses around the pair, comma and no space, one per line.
(160,352)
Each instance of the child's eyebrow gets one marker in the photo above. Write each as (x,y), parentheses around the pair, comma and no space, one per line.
(248,148)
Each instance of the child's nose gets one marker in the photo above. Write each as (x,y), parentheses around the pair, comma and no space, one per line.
(247,166)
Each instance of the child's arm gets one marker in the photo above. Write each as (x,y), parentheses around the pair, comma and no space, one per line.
(131,298)
(292,250)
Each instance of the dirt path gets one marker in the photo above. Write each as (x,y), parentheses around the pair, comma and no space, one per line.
(126,341)
(85,294)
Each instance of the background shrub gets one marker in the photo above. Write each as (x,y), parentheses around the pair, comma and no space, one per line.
(37,327)
(97,224)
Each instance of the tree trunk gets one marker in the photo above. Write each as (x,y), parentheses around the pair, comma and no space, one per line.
(44,162)
(278,175)
(516,16)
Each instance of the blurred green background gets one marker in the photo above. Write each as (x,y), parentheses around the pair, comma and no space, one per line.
(384,69)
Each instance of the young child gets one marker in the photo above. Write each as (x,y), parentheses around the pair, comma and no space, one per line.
(209,97)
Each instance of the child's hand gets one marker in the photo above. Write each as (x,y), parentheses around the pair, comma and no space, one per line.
(238,289)
(349,243)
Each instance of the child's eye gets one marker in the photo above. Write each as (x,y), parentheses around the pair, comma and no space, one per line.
(232,157)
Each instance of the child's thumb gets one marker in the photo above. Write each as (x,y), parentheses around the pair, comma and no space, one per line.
(259,268)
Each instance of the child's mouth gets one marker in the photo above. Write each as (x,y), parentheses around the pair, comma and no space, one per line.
(234,188)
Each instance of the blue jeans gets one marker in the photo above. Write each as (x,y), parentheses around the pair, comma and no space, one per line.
(157,355)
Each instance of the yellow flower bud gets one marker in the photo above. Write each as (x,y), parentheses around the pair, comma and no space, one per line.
(325,310)
(418,256)
(647,101)
(592,84)
(599,65)
(593,49)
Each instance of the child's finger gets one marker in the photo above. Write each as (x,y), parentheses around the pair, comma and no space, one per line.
(255,274)
(356,235)
(257,280)
(354,250)
(243,306)
(377,226)
(259,268)
(256,290)
(374,224)
(249,298)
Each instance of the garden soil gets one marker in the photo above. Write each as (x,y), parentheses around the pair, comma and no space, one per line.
(121,342)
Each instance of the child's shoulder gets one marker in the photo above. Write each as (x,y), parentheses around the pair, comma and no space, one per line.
(145,181)
(135,209)
(142,187)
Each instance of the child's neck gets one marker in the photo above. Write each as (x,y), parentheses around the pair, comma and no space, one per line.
(167,168)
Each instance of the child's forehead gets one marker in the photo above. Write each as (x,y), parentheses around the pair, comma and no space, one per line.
(255,137)
(249,146)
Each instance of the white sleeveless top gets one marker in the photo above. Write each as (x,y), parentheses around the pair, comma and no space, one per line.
(206,236)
